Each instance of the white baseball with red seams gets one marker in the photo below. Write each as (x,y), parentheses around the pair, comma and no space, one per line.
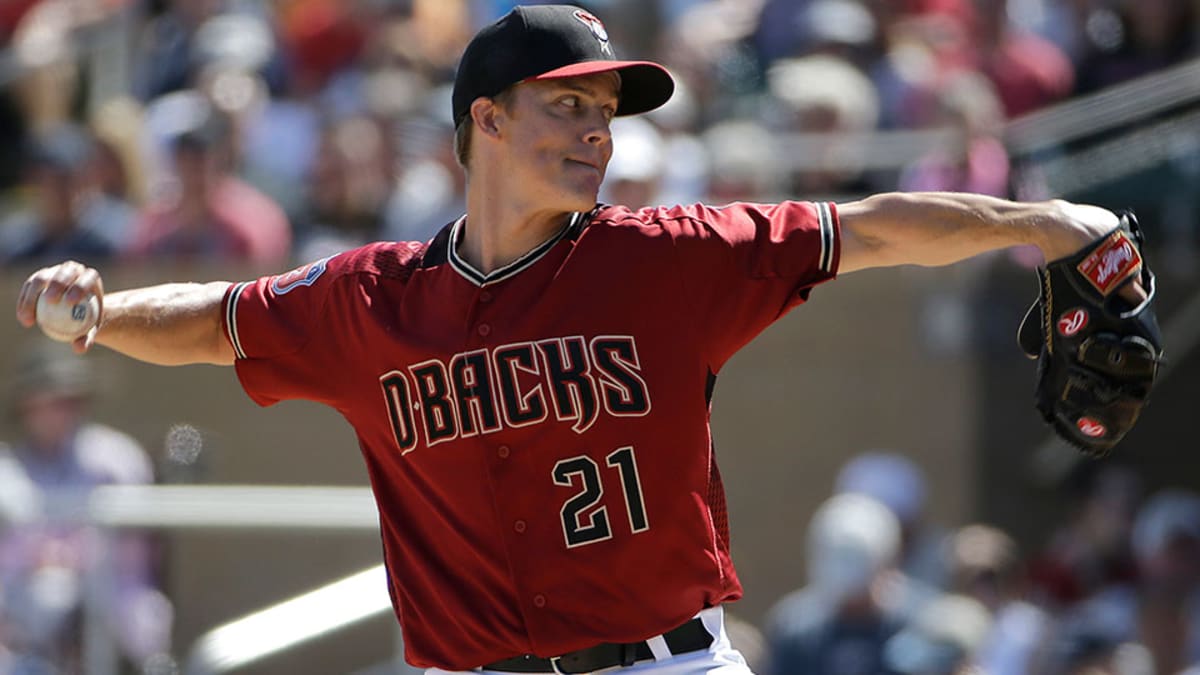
(66,322)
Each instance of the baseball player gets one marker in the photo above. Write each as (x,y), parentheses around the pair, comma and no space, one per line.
(530,389)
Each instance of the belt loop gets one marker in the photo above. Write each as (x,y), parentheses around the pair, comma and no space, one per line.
(628,654)
(554,663)
(659,648)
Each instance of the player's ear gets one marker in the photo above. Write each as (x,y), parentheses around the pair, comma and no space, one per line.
(484,113)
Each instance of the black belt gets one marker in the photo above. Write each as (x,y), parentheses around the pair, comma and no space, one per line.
(689,637)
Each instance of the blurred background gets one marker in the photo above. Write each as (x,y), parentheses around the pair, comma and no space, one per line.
(897,506)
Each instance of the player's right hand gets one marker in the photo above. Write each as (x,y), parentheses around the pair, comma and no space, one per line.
(70,280)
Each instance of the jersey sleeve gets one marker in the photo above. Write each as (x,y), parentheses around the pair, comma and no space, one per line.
(278,327)
(745,265)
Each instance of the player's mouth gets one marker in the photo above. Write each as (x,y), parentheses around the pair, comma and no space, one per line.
(593,168)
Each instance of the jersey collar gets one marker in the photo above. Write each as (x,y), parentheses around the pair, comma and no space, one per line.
(464,268)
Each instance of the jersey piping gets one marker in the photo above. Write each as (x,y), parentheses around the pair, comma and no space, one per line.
(825,220)
(467,271)
(231,318)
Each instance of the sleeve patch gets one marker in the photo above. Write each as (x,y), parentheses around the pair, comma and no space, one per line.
(301,276)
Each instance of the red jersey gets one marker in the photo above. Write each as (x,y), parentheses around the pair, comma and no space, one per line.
(537,438)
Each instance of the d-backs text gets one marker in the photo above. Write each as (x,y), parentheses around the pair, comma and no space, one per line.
(515,385)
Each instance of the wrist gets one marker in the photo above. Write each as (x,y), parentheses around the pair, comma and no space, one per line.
(1068,227)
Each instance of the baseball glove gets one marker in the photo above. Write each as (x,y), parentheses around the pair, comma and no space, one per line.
(1097,355)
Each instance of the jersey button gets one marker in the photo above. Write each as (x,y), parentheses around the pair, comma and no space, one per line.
(519,526)
(502,452)
(484,329)
(539,601)
(485,296)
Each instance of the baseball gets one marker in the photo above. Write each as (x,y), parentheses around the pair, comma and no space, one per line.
(65,323)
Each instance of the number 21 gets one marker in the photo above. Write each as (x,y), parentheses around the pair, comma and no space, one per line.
(582,522)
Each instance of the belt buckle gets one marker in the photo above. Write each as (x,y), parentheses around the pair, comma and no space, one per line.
(554,663)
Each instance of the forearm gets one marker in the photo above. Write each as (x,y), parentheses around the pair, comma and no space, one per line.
(171,324)
(939,228)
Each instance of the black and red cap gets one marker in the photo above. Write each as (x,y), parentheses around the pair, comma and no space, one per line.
(546,42)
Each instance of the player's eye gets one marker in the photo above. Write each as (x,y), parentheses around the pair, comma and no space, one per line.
(571,101)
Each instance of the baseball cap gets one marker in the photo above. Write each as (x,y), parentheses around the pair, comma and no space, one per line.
(546,42)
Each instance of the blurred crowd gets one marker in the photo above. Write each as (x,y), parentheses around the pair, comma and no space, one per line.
(268,132)
(272,131)
(1114,590)
(59,577)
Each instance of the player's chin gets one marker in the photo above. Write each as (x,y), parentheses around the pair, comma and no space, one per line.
(581,197)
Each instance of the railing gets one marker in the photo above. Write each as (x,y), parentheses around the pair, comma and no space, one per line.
(227,507)
(293,622)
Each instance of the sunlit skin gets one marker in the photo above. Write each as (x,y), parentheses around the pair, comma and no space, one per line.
(535,160)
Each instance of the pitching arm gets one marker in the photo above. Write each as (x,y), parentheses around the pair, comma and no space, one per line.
(939,228)
(170,324)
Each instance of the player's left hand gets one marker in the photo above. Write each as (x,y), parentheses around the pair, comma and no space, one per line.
(1096,339)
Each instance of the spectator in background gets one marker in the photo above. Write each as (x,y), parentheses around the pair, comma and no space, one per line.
(827,100)
(44,565)
(985,565)
(1129,38)
(744,164)
(67,217)
(346,191)
(686,164)
(942,639)
(206,212)
(839,623)
(1161,611)
(1091,550)
(636,170)
(792,28)
(1029,72)
(976,161)
(430,190)
(899,484)
(166,59)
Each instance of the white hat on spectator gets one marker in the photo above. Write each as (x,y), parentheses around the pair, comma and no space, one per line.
(637,150)
(851,538)
(824,81)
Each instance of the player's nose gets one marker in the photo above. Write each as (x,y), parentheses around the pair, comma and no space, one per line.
(597,130)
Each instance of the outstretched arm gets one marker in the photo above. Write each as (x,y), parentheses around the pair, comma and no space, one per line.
(171,324)
(939,228)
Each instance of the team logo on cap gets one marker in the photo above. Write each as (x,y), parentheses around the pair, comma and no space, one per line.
(597,28)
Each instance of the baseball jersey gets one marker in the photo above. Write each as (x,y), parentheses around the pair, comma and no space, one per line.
(537,438)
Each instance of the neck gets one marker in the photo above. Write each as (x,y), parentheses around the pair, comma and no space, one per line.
(500,229)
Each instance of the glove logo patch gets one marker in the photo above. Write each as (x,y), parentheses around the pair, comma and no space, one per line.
(1111,263)
(1072,321)
(1090,427)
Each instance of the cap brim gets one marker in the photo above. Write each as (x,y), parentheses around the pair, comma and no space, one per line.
(645,85)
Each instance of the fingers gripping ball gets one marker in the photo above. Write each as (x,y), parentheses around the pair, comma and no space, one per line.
(67,322)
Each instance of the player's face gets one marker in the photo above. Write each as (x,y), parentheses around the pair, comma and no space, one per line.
(559,142)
